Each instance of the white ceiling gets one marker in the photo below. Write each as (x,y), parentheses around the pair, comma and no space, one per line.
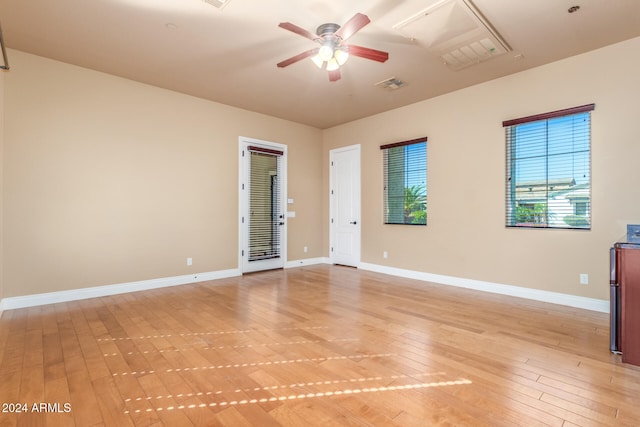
(229,55)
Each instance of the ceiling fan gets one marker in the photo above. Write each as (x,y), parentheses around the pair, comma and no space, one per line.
(333,51)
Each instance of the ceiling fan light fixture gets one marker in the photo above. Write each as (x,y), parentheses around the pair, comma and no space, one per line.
(317,60)
(326,52)
(331,58)
(341,55)
(332,64)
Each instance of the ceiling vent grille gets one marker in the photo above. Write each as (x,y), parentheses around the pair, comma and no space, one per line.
(456,32)
(391,84)
(218,3)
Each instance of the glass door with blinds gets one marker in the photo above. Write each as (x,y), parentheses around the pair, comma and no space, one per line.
(263,216)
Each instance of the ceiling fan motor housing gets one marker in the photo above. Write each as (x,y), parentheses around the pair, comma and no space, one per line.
(327,30)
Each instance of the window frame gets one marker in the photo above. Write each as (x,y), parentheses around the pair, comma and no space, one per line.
(510,191)
(385,149)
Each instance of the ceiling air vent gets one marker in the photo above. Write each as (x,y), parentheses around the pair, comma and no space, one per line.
(391,84)
(456,32)
(217,3)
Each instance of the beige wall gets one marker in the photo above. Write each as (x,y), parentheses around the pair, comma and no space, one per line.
(466,236)
(110,181)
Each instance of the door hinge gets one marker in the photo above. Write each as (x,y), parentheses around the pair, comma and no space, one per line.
(242,153)
(331,220)
(331,163)
(243,252)
(243,186)
(332,249)
(243,220)
(332,192)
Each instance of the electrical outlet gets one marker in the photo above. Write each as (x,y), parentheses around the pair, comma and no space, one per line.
(305,249)
(189,261)
(385,255)
(584,279)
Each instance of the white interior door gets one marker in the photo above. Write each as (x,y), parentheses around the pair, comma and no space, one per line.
(345,206)
(263,205)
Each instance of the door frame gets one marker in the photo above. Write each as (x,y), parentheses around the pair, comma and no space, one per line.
(243,198)
(332,205)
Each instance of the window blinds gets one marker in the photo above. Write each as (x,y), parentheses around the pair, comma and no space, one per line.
(548,169)
(405,182)
(264,207)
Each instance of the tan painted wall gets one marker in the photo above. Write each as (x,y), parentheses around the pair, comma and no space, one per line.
(110,181)
(466,236)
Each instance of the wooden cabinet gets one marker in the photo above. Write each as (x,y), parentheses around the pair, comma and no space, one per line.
(628,271)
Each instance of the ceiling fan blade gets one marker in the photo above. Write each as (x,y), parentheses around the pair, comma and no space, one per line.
(368,53)
(334,75)
(298,30)
(298,57)
(352,26)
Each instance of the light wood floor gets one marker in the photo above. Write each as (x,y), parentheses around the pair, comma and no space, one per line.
(312,346)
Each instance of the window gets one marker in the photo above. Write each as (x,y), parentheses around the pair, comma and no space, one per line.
(548,180)
(405,182)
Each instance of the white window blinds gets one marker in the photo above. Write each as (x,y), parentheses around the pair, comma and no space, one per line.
(265,217)
(548,169)
(405,182)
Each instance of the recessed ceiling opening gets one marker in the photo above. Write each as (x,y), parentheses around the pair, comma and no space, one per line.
(456,32)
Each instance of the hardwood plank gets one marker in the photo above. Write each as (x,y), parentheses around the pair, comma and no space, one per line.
(32,386)
(83,397)
(314,346)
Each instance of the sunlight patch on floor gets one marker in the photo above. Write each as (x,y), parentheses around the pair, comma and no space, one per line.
(349,391)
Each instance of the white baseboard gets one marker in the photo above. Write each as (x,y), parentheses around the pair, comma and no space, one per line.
(306,261)
(516,291)
(100,291)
